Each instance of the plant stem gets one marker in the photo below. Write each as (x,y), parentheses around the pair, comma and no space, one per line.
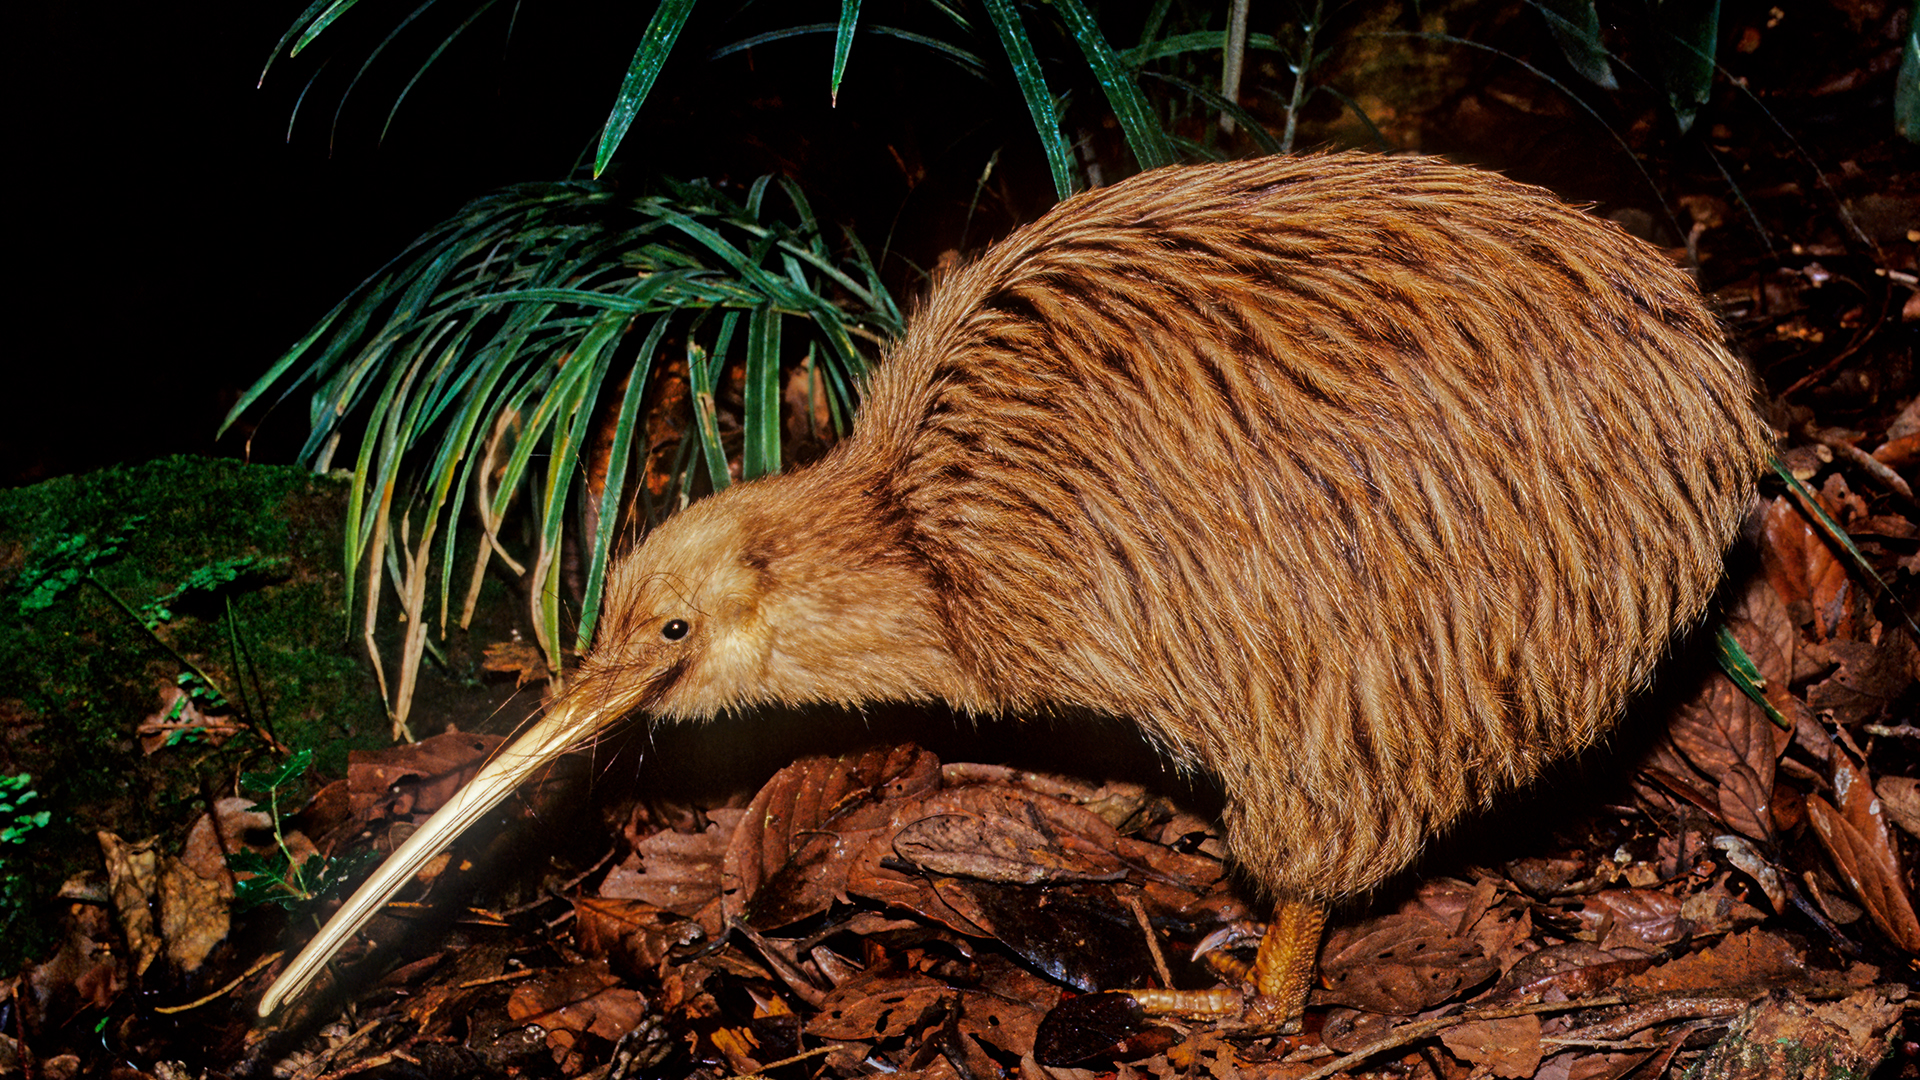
(1302,64)
(272,743)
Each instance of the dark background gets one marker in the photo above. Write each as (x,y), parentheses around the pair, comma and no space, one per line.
(176,241)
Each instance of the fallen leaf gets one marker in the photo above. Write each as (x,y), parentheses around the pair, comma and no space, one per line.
(1020,850)
(1871,678)
(584,998)
(131,873)
(416,778)
(1509,1047)
(1803,570)
(1857,839)
(193,912)
(1753,958)
(675,870)
(1399,965)
(523,659)
(1900,797)
(634,936)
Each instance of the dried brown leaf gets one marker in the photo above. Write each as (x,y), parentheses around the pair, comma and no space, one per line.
(1857,839)
(1870,679)
(1900,797)
(522,659)
(1031,846)
(1508,1047)
(1754,958)
(193,912)
(1571,970)
(675,870)
(634,936)
(1803,570)
(579,997)
(132,870)
(1631,918)
(1400,964)
(806,826)
(416,778)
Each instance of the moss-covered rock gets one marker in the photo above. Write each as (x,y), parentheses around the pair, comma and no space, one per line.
(79,672)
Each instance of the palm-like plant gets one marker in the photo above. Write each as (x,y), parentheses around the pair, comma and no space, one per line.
(486,357)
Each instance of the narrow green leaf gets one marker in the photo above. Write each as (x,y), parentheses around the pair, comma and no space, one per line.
(1248,124)
(701,375)
(1145,137)
(760,424)
(1575,26)
(320,23)
(842,45)
(1740,668)
(421,71)
(306,17)
(1840,538)
(367,64)
(664,29)
(611,495)
(1689,34)
(1203,41)
(1033,85)
(970,61)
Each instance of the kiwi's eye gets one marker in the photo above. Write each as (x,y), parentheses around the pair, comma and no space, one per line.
(675,629)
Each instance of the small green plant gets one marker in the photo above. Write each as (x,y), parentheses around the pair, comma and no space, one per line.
(280,879)
(69,563)
(16,821)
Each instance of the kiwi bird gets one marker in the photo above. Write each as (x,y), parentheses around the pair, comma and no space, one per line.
(1366,485)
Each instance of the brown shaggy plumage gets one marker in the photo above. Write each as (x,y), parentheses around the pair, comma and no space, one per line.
(1368,485)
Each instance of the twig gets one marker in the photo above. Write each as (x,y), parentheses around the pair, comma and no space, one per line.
(168,1010)
(1153,941)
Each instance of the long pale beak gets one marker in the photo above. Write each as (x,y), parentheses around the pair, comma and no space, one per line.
(553,735)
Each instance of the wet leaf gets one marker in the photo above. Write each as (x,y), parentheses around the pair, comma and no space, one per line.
(1857,838)
(132,871)
(585,998)
(807,825)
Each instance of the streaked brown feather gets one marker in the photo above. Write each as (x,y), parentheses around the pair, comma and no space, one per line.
(1368,485)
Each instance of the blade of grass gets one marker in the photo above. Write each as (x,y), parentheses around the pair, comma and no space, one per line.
(1033,85)
(372,56)
(1740,668)
(616,482)
(972,63)
(1840,538)
(429,62)
(1203,41)
(1244,121)
(842,45)
(760,422)
(321,22)
(662,31)
(305,18)
(1142,128)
